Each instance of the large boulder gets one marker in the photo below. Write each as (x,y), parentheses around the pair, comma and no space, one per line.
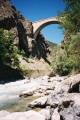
(69,109)
(69,84)
(55,115)
(30,115)
(46,112)
(3,113)
(71,113)
(56,100)
(65,106)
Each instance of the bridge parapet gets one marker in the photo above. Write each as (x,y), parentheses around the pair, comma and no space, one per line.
(38,25)
(56,17)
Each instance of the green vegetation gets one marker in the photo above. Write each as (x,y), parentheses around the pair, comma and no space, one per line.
(9,60)
(70,61)
(65,61)
(26,71)
(8,52)
(71,16)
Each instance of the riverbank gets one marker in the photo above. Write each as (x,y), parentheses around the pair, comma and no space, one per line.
(44,98)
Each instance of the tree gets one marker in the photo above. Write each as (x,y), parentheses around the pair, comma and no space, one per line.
(71,22)
(71,15)
(8,52)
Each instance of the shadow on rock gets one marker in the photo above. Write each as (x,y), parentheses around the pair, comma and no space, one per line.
(23,42)
(40,48)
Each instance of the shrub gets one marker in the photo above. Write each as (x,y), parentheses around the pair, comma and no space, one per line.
(8,52)
(69,61)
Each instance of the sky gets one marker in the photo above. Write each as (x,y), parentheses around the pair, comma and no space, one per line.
(34,10)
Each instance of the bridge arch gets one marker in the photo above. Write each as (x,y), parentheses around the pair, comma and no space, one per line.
(39,25)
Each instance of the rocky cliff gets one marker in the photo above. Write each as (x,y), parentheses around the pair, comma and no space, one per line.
(22,29)
(12,20)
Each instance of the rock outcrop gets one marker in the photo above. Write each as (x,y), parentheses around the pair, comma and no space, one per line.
(12,20)
(30,115)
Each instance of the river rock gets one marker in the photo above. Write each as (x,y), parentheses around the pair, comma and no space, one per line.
(59,97)
(69,108)
(66,106)
(3,113)
(55,100)
(29,115)
(55,115)
(40,102)
(71,112)
(67,84)
(26,94)
(74,83)
(46,112)
(71,84)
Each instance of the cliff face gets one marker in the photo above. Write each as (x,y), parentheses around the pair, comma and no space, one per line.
(22,29)
(12,20)
(5,9)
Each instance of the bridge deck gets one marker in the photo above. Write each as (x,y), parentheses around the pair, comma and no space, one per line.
(45,19)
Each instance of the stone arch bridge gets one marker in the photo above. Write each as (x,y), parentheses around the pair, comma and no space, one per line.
(39,25)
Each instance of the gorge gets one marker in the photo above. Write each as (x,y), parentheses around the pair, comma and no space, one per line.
(33,89)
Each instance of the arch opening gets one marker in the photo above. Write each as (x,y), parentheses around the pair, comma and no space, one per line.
(53,33)
(42,29)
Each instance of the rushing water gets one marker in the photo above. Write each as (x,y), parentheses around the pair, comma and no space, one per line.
(9,96)
(10,92)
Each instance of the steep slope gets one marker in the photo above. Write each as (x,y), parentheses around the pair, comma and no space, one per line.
(34,67)
(37,61)
(12,20)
